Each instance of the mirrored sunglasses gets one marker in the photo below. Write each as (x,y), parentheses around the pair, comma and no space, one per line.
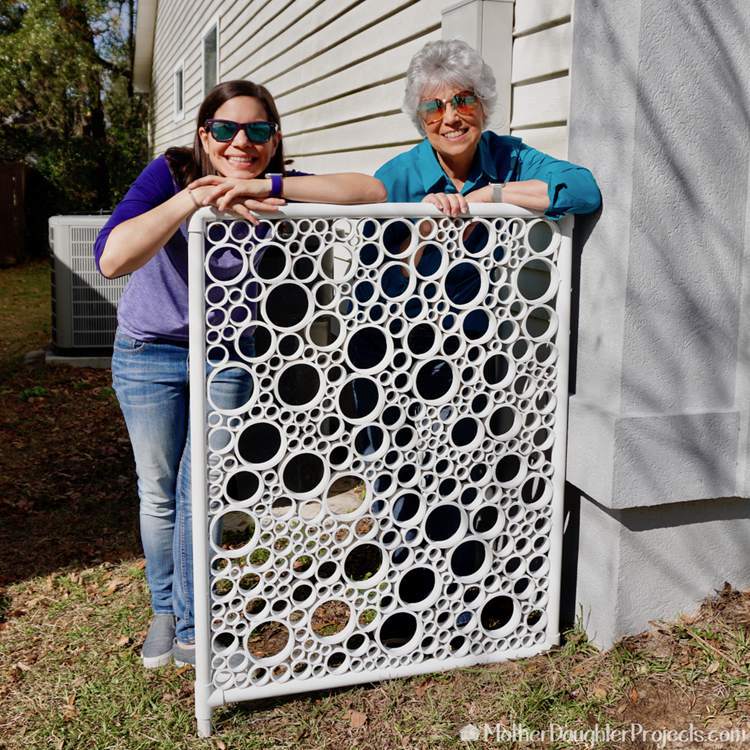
(432,110)
(256,132)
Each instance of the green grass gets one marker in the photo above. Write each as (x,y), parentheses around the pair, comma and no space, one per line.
(24,311)
(81,684)
(36,391)
(259,556)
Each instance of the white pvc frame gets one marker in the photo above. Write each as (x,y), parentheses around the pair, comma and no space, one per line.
(206,697)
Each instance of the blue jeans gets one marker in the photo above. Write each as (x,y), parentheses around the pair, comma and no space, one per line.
(151,381)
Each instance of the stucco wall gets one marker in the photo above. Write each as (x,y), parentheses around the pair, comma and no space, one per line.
(660,104)
(660,108)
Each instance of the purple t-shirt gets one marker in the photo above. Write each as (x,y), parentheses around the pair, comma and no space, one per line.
(154,303)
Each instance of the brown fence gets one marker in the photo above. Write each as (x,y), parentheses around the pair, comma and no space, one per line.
(12,211)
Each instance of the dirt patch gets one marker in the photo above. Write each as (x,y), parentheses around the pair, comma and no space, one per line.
(267,639)
(693,671)
(330,618)
(364,526)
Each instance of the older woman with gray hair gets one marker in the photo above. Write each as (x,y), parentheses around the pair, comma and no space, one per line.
(450,95)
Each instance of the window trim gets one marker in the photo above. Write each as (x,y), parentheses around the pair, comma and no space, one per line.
(178,114)
(214,22)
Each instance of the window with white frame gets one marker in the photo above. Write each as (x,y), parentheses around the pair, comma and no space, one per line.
(211,57)
(179,91)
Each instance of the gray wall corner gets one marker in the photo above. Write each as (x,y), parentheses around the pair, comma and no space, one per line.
(590,458)
(662,459)
(598,573)
(639,461)
(743,455)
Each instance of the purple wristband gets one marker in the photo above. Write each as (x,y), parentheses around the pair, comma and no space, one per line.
(277,185)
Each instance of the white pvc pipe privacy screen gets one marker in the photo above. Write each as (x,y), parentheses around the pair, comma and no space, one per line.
(384,498)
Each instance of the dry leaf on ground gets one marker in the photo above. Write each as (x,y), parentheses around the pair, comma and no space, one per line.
(357,719)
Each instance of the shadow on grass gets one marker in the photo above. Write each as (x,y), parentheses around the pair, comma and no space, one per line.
(38,543)
(67,483)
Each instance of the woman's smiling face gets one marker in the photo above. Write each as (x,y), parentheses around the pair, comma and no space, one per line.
(240,157)
(455,135)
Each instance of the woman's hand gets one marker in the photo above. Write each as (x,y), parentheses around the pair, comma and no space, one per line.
(245,208)
(235,195)
(224,189)
(451,204)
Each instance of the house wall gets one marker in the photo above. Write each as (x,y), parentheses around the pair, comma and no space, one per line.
(178,29)
(336,69)
(658,423)
(540,74)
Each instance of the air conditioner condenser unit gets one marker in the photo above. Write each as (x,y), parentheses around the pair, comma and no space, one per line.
(84,303)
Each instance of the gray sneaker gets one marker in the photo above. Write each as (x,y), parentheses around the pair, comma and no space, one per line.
(183,653)
(157,648)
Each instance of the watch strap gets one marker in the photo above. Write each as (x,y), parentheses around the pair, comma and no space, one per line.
(277,185)
(497,191)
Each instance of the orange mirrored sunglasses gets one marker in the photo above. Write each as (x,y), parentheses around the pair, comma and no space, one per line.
(432,110)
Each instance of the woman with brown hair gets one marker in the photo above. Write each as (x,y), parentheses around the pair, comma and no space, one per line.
(236,164)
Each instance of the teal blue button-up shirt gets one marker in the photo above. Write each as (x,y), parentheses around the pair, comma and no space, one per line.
(410,176)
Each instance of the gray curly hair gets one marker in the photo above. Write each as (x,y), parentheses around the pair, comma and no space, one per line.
(452,62)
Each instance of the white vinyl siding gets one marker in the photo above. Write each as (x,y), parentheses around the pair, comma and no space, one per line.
(180,25)
(336,69)
(540,74)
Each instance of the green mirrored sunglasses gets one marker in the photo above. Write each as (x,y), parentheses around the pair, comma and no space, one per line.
(256,132)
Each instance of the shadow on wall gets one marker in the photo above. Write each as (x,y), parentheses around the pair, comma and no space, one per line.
(662,535)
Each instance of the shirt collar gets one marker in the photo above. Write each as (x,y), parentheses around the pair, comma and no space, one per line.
(430,171)
(432,174)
